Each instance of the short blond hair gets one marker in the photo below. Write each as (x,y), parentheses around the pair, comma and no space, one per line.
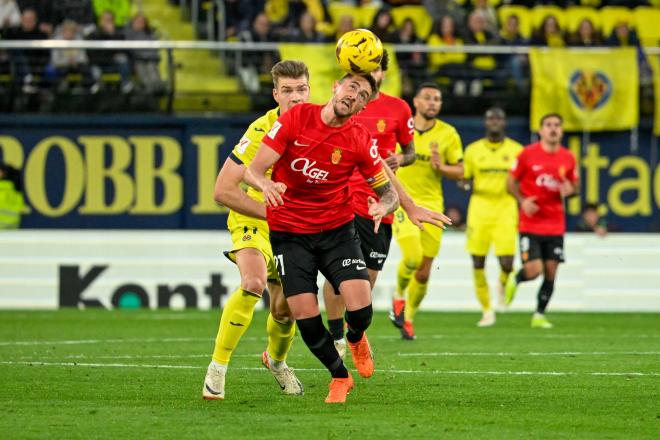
(289,69)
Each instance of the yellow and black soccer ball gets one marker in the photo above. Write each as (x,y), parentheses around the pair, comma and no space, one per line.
(359,51)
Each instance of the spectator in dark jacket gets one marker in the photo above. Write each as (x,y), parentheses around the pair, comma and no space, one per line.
(111,60)
(261,31)
(44,12)
(306,31)
(383,26)
(549,34)
(28,63)
(516,64)
(586,35)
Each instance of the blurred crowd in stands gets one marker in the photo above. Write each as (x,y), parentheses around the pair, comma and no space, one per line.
(76,70)
(436,23)
(428,23)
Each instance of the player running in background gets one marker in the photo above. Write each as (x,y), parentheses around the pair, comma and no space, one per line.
(542,177)
(492,213)
(314,150)
(389,122)
(251,247)
(439,154)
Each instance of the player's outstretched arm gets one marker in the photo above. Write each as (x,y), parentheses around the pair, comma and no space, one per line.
(229,193)
(417,214)
(255,176)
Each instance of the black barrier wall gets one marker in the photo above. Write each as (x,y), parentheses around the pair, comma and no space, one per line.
(158,172)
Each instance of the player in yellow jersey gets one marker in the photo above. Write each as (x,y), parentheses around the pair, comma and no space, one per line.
(439,154)
(493,212)
(251,251)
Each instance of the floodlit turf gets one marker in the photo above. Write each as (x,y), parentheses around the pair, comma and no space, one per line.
(139,374)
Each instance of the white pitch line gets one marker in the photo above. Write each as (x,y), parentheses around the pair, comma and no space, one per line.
(261,338)
(101,341)
(532,353)
(420,354)
(436,372)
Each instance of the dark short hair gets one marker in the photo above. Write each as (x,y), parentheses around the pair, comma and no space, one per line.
(551,115)
(428,85)
(289,69)
(367,77)
(385,61)
(499,110)
(590,207)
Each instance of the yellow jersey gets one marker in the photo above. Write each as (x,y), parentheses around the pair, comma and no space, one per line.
(244,152)
(420,180)
(488,164)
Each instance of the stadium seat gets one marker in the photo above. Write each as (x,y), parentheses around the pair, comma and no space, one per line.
(611,15)
(540,12)
(423,22)
(647,23)
(591,3)
(524,18)
(338,10)
(366,15)
(575,15)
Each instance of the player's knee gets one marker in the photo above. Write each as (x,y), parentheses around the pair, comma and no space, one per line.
(360,319)
(506,266)
(253,284)
(532,271)
(422,276)
(412,262)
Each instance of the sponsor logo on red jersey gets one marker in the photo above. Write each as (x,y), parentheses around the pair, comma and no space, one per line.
(307,168)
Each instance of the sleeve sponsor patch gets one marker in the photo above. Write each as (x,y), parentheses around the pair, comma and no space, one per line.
(242,145)
(273,131)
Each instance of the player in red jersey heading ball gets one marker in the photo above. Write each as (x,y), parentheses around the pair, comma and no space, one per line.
(389,121)
(542,177)
(314,150)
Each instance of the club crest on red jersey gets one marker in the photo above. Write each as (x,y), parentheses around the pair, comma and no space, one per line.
(381,125)
(335,158)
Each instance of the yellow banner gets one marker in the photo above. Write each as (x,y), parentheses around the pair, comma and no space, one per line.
(654,63)
(324,70)
(591,90)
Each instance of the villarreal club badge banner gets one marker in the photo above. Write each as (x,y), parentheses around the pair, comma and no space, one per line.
(593,90)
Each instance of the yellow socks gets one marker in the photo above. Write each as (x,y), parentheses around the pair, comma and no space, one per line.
(403,276)
(504,276)
(416,293)
(236,318)
(481,288)
(280,338)
(411,252)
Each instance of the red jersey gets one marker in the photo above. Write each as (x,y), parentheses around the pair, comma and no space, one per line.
(389,121)
(315,165)
(540,174)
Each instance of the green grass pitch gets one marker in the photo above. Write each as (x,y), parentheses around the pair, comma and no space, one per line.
(138,374)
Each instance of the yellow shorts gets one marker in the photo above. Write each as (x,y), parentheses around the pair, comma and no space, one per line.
(502,236)
(252,233)
(429,239)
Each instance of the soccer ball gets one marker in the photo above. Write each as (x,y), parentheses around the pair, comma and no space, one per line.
(359,51)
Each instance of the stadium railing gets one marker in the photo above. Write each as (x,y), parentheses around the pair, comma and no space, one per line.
(232,55)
